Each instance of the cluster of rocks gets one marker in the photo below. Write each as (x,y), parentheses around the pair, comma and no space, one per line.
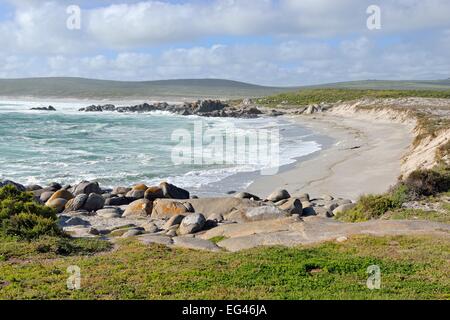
(169,214)
(49,108)
(205,108)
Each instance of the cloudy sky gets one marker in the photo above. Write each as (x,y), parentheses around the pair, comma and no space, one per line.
(270,42)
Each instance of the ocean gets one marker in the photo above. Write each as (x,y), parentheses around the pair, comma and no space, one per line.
(122,149)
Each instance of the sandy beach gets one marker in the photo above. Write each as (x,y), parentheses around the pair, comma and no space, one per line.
(365,158)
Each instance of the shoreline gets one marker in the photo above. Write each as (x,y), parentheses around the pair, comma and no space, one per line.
(361,161)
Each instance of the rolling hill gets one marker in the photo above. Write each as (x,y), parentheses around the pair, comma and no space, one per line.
(65,87)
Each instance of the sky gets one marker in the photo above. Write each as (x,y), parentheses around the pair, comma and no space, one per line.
(267,42)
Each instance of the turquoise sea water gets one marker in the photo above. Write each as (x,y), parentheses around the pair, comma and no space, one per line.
(120,149)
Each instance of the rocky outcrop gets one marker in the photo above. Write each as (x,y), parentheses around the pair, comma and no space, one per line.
(205,108)
(49,108)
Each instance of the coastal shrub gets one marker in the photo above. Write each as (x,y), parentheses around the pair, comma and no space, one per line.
(374,206)
(428,182)
(24,218)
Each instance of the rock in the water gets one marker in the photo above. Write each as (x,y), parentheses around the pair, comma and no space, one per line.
(57,204)
(344,207)
(246,195)
(76,203)
(192,223)
(173,221)
(173,192)
(165,208)
(279,195)
(87,187)
(94,202)
(141,207)
(154,193)
(292,206)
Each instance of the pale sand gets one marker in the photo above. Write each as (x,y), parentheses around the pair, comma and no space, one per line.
(339,170)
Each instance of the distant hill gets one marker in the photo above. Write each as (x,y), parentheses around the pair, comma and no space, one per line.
(390,84)
(188,88)
(107,89)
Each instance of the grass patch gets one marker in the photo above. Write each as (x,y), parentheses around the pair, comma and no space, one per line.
(314,96)
(417,214)
(412,268)
(217,239)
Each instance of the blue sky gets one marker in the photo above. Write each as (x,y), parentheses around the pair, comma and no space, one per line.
(270,42)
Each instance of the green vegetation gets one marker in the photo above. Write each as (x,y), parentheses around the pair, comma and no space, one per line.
(305,97)
(417,214)
(374,206)
(22,217)
(412,268)
(28,228)
(217,239)
(420,185)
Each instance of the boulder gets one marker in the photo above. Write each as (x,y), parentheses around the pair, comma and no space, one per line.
(303,197)
(18,186)
(57,204)
(141,207)
(173,221)
(73,221)
(154,193)
(61,194)
(76,203)
(309,211)
(87,187)
(278,195)
(221,206)
(192,223)
(139,187)
(135,194)
(292,206)
(132,233)
(33,187)
(54,186)
(257,214)
(173,192)
(246,195)
(327,197)
(150,227)
(165,208)
(45,196)
(118,201)
(94,202)
(109,213)
(343,207)
(120,190)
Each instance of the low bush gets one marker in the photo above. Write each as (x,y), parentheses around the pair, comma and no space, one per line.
(428,182)
(374,206)
(24,218)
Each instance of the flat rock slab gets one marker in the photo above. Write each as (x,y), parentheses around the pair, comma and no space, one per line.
(195,243)
(245,229)
(152,239)
(318,229)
